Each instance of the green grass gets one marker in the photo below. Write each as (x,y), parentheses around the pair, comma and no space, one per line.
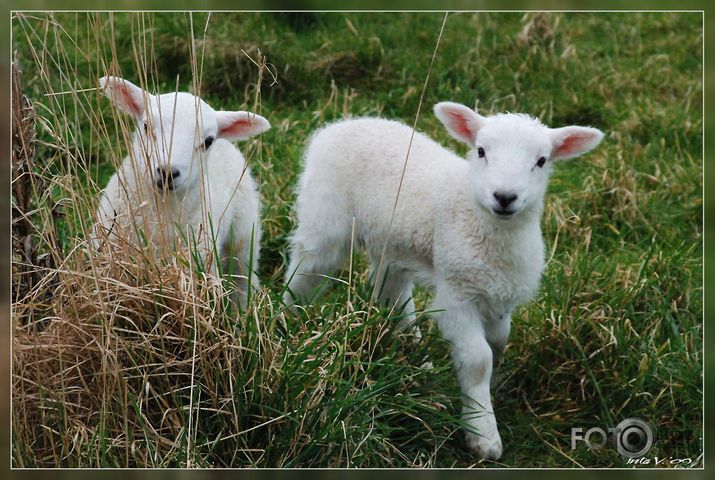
(615,332)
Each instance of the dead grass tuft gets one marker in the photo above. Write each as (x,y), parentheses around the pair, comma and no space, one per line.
(538,28)
(127,351)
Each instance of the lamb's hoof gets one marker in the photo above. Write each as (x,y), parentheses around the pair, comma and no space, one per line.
(293,308)
(486,447)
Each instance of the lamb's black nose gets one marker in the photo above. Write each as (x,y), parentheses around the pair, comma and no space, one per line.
(165,180)
(504,199)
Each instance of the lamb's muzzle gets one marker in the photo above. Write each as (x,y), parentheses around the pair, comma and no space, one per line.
(166,177)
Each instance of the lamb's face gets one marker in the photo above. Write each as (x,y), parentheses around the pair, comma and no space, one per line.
(511,155)
(175,135)
(511,164)
(176,131)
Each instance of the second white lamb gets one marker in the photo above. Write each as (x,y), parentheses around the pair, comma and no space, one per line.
(184,185)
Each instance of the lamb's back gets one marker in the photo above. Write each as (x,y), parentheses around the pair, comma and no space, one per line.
(360,162)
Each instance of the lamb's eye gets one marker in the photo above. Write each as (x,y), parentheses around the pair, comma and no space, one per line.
(540,162)
(480,152)
(208,142)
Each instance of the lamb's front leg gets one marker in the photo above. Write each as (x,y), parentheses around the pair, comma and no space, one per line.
(461,323)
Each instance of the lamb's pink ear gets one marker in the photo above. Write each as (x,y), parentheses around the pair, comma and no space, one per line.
(461,122)
(240,125)
(124,94)
(570,142)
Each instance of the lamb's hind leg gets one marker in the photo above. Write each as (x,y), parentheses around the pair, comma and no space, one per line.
(314,256)
(393,289)
(497,334)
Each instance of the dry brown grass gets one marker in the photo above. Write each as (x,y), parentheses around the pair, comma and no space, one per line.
(138,345)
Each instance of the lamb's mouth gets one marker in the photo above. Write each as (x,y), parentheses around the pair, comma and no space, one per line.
(164,186)
(165,178)
(503,212)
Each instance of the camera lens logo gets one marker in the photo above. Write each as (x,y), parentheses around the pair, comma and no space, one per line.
(634,438)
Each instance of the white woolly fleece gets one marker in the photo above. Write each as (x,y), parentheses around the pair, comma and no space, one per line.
(468,228)
(212,202)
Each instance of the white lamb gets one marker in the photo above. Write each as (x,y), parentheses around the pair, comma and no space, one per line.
(468,228)
(184,183)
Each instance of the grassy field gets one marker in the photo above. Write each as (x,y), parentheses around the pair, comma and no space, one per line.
(118,362)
